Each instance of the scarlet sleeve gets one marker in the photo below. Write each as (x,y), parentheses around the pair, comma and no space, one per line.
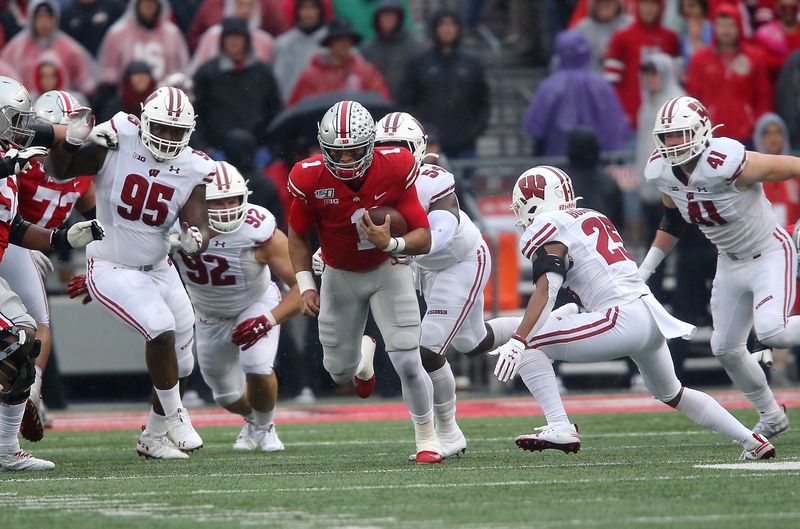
(301,218)
(409,207)
(5,230)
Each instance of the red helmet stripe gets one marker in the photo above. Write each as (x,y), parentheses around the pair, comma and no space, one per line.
(344,118)
(178,102)
(65,99)
(387,121)
(227,182)
(170,100)
(396,124)
(561,179)
(666,114)
(567,183)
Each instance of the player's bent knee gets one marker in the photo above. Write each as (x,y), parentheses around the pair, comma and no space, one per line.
(339,372)
(185,363)
(160,324)
(431,360)
(721,348)
(403,340)
(226,387)
(778,338)
(257,369)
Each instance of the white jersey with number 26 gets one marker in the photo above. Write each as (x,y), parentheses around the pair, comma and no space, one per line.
(737,222)
(600,272)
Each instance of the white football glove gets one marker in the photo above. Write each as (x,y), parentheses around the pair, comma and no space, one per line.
(43,263)
(82,233)
(190,238)
(79,125)
(104,135)
(508,357)
(317,264)
(16,161)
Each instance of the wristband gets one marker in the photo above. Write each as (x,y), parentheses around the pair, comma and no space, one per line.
(521,338)
(271,319)
(396,245)
(58,240)
(305,281)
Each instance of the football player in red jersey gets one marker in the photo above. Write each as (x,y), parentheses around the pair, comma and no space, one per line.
(332,192)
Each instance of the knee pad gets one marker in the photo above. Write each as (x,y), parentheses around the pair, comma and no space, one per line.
(159,322)
(257,369)
(327,332)
(432,336)
(404,334)
(779,340)
(183,352)
(719,348)
(227,387)
(339,373)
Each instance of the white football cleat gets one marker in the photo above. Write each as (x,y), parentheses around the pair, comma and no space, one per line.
(269,441)
(181,432)
(558,437)
(23,461)
(774,426)
(248,437)
(157,447)
(428,448)
(758,448)
(452,443)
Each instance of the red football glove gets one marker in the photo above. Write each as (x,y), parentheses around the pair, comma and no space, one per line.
(77,287)
(251,330)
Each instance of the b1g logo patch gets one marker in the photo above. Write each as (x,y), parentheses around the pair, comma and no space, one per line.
(324,193)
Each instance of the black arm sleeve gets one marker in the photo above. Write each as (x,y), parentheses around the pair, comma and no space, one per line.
(18,229)
(547,262)
(672,222)
(90,214)
(43,135)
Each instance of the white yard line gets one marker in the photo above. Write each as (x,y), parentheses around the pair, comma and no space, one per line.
(755,466)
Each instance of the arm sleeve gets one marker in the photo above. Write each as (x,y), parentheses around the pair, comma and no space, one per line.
(411,210)
(443,228)
(301,218)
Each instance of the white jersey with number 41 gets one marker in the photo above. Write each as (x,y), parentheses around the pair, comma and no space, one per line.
(600,272)
(737,222)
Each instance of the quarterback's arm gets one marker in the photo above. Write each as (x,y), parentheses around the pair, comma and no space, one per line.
(759,167)
(549,271)
(62,164)
(667,236)
(443,216)
(195,213)
(275,254)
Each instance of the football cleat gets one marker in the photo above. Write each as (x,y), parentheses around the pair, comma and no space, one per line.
(269,441)
(561,437)
(453,444)
(248,437)
(364,387)
(23,461)
(761,448)
(428,457)
(31,426)
(181,432)
(773,427)
(364,381)
(157,447)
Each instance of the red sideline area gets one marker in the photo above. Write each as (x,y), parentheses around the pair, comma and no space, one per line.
(387,411)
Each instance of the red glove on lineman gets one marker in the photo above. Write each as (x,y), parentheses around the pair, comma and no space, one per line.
(251,330)
(77,287)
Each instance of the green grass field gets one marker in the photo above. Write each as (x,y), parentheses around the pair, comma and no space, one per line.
(635,470)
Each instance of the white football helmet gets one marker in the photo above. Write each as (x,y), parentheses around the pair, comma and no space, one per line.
(54,106)
(167,108)
(16,113)
(347,126)
(404,129)
(686,115)
(540,189)
(228,183)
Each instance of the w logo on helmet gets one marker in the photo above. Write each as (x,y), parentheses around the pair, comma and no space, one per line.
(699,108)
(533,186)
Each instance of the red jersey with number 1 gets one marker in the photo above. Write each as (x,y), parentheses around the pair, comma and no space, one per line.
(47,202)
(335,208)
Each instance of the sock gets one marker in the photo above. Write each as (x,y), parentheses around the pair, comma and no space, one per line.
(263,418)
(170,399)
(38,371)
(156,424)
(10,419)
(705,411)
(416,384)
(748,377)
(536,371)
(444,397)
(250,417)
(503,328)
(425,437)
(365,370)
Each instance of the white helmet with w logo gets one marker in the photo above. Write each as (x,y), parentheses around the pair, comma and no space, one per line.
(228,183)
(167,123)
(540,189)
(689,117)
(403,129)
(347,127)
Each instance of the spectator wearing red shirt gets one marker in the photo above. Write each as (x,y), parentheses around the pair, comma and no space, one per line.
(629,46)
(780,37)
(730,78)
(338,68)
(270,13)
(772,137)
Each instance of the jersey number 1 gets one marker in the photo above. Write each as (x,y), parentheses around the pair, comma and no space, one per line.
(363,243)
(609,243)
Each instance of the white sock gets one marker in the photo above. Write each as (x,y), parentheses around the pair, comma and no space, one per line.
(748,377)
(425,437)
(263,418)
(365,370)
(444,397)
(10,419)
(156,424)
(170,399)
(536,370)
(705,411)
(416,384)
(503,328)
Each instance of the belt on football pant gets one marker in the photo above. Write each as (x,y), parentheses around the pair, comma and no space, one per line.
(735,257)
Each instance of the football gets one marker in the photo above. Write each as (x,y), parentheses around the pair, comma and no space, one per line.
(397,226)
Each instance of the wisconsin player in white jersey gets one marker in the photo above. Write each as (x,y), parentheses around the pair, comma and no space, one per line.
(452,275)
(580,249)
(716,184)
(239,308)
(144,185)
